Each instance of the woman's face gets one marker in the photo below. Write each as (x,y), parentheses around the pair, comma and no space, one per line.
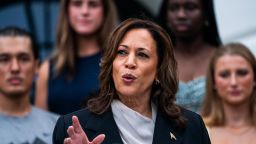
(185,17)
(233,79)
(85,16)
(135,65)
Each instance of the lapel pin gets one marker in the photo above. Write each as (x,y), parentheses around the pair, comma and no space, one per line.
(173,136)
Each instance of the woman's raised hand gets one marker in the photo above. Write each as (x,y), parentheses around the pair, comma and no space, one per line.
(78,136)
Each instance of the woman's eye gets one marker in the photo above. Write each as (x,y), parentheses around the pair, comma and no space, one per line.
(4,59)
(76,2)
(173,7)
(224,74)
(242,72)
(191,7)
(143,55)
(121,52)
(94,4)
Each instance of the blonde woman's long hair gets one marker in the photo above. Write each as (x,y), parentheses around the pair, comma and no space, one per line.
(65,47)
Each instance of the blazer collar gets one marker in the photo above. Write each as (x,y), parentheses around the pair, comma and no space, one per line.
(105,124)
(166,131)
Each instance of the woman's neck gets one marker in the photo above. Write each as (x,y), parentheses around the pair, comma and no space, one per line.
(237,116)
(191,46)
(87,46)
(191,53)
(138,104)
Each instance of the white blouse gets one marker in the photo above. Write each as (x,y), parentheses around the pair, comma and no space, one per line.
(134,128)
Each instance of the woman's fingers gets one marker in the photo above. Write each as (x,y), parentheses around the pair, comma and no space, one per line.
(76,133)
(78,136)
(99,139)
(67,141)
(76,124)
(71,132)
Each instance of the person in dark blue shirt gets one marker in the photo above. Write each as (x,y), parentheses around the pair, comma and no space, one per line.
(71,73)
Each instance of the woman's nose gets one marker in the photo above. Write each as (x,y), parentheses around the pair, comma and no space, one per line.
(130,62)
(233,80)
(181,13)
(85,9)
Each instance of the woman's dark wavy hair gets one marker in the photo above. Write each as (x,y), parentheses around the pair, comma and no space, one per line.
(162,94)
(210,30)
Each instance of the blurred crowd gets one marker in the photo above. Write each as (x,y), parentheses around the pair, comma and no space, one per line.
(179,63)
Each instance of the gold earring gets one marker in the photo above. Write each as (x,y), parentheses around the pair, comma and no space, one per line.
(157,82)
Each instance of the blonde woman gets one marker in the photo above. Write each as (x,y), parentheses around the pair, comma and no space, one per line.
(71,72)
(229,108)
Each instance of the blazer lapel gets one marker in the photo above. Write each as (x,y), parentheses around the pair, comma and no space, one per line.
(165,132)
(105,124)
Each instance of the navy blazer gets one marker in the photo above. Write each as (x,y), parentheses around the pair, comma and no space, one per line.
(93,125)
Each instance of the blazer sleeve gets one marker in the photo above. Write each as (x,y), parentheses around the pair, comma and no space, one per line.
(205,135)
(60,131)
